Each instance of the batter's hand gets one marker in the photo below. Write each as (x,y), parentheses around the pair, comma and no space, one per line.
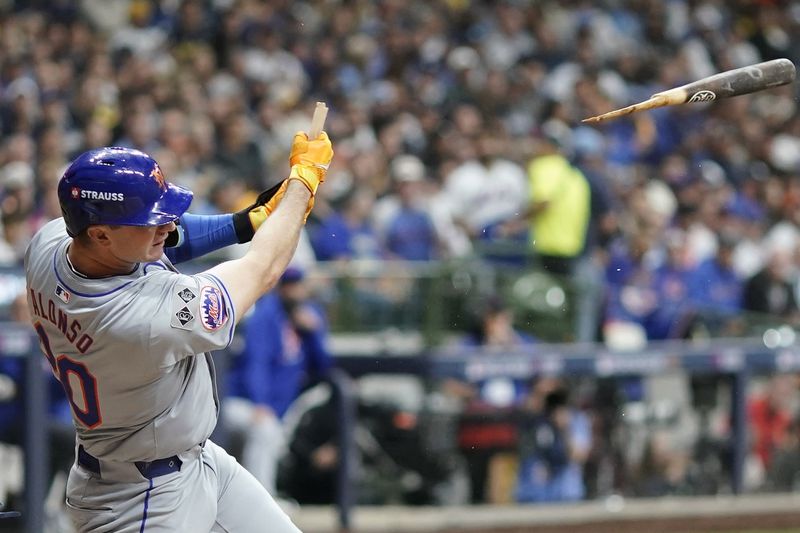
(249,219)
(310,159)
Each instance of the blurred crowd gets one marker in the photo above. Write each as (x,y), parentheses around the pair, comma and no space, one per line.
(450,119)
(457,131)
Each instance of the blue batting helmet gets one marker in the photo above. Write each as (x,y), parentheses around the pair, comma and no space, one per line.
(118,186)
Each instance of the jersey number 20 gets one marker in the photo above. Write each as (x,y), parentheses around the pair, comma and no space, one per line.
(63,366)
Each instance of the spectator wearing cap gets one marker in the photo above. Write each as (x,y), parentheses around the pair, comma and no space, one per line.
(671,285)
(285,351)
(408,232)
(714,287)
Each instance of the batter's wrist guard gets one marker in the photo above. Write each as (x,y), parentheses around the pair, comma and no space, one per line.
(310,176)
(175,237)
(249,219)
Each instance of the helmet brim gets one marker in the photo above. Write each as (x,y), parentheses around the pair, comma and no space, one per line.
(173,203)
(169,207)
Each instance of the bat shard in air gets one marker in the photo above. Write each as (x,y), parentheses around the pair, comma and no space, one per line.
(726,84)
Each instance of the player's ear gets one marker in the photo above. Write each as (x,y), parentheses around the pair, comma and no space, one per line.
(99,235)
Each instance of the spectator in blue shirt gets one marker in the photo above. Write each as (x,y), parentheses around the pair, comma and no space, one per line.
(714,286)
(631,295)
(671,284)
(486,426)
(347,232)
(555,440)
(410,234)
(284,351)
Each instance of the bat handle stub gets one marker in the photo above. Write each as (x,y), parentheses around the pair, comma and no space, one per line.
(318,120)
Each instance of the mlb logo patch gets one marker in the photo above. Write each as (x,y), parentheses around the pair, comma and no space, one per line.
(76,193)
(62,294)
(213,311)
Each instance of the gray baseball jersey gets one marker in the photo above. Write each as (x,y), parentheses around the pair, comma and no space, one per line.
(124,348)
(132,354)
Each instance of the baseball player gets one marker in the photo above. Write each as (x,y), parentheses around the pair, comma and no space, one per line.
(129,337)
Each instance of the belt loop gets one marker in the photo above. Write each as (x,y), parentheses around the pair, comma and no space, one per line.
(89,462)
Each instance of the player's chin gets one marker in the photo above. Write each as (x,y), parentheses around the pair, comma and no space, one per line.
(156,251)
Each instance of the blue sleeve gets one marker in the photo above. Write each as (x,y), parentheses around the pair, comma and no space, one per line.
(331,239)
(12,411)
(201,234)
(581,430)
(262,342)
(697,283)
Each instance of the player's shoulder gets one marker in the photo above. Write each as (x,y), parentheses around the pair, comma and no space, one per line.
(52,232)
(203,292)
(158,277)
(45,240)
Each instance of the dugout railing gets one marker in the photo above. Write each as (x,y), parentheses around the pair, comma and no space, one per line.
(739,359)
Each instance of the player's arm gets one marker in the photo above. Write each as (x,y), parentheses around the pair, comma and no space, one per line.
(197,235)
(274,243)
(271,249)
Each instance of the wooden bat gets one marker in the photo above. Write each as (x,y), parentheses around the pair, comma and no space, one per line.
(318,120)
(723,85)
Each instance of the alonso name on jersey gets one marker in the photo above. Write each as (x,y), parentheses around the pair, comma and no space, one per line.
(70,327)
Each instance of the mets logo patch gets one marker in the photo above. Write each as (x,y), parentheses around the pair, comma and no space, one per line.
(213,312)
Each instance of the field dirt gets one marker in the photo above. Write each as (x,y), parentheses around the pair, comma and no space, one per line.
(780,523)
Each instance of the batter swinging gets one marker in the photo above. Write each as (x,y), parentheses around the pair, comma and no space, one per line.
(129,337)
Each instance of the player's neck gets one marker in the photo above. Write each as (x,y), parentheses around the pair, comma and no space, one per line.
(92,262)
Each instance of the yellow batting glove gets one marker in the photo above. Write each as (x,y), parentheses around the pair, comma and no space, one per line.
(308,175)
(259,213)
(248,220)
(299,146)
(310,159)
